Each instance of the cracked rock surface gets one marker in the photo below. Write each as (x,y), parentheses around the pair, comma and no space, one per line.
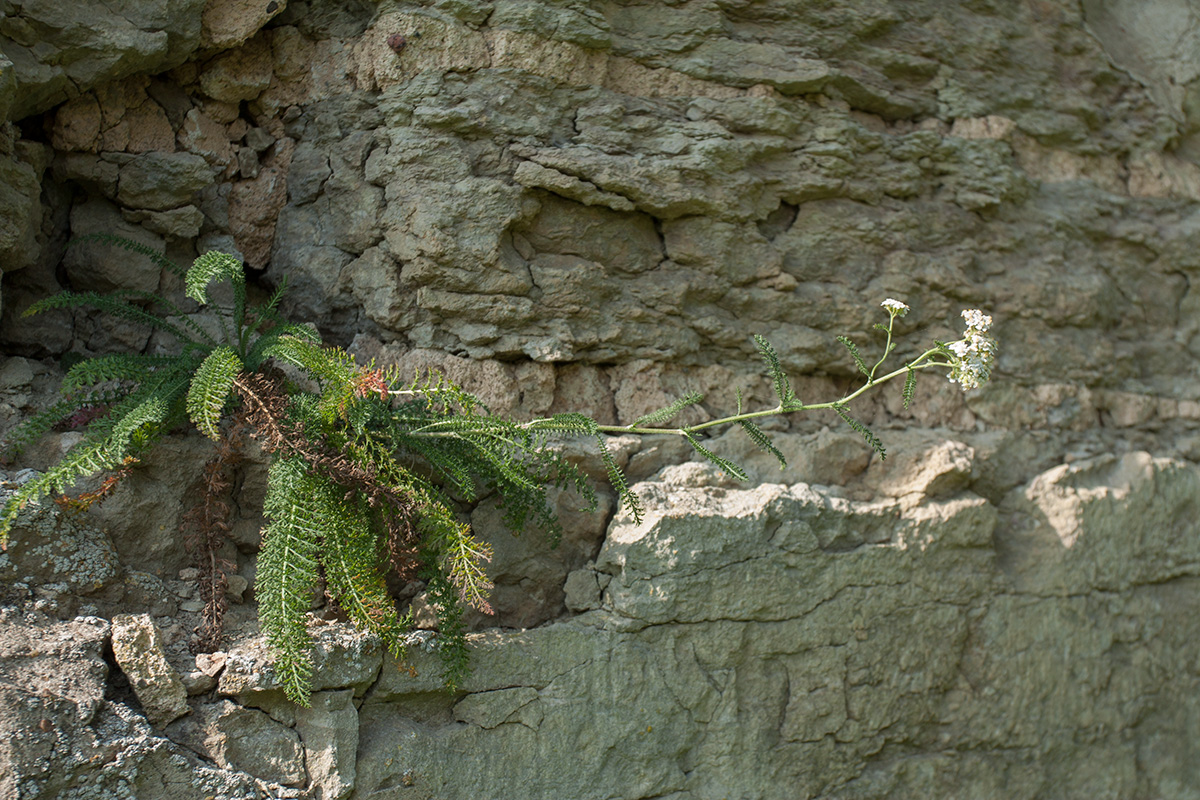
(592,205)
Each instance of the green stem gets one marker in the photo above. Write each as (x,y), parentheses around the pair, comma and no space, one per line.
(919,363)
(887,348)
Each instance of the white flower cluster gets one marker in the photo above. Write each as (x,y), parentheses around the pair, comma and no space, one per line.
(975,352)
(895,307)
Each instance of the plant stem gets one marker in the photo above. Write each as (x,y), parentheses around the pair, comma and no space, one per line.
(918,363)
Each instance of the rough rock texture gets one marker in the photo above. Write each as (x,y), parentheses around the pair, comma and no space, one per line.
(64,740)
(591,205)
(138,650)
(780,643)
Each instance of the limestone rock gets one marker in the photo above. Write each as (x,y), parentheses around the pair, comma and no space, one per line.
(60,50)
(51,547)
(142,514)
(784,643)
(20,209)
(138,649)
(105,268)
(1110,522)
(242,739)
(158,181)
(228,23)
(238,75)
(63,661)
(329,730)
(342,656)
(60,738)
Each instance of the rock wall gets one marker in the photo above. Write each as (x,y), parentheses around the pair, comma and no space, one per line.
(586,205)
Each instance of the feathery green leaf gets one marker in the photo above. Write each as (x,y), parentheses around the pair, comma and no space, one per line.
(858,359)
(910,386)
(210,388)
(728,467)
(783,387)
(862,430)
(760,439)
(297,507)
(117,367)
(666,413)
(212,266)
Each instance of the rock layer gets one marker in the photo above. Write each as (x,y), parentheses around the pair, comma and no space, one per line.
(592,206)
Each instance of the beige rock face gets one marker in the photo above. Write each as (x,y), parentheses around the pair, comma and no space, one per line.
(583,206)
(781,643)
(138,649)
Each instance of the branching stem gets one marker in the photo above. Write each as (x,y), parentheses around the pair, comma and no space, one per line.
(920,362)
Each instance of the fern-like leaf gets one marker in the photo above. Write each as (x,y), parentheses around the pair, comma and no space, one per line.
(135,247)
(452,633)
(210,389)
(352,553)
(213,266)
(760,439)
(617,479)
(287,569)
(463,557)
(117,367)
(728,467)
(110,305)
(858,359)
(910,386)
(663,414)
(862,431)
(332,367)
(779,379)
(131,425)
(265,346)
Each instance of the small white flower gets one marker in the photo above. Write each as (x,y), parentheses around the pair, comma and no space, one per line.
(895,307)
(975,353)
(977,320)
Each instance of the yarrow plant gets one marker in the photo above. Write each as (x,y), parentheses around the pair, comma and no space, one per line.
(974,353)
(364,470)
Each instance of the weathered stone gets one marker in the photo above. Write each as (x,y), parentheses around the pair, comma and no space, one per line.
(178,223)
(142,515)
(254,206)
(238,75)
(158,181)
(77,125)
(49,546)
(60,50)
(205,137)
(329,730)
(242,739)
(59,738)
(59,660)
(90,170)
(228,23)
(528,575)
(20,208)
(342,656)
(841,672)
(138,650)
(597,209)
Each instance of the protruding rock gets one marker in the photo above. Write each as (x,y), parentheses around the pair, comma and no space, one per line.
(243,739)
(161,181)
(138,649)
(329,729)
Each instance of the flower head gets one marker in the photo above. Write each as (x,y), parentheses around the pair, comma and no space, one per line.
(895,307)
(974,354)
